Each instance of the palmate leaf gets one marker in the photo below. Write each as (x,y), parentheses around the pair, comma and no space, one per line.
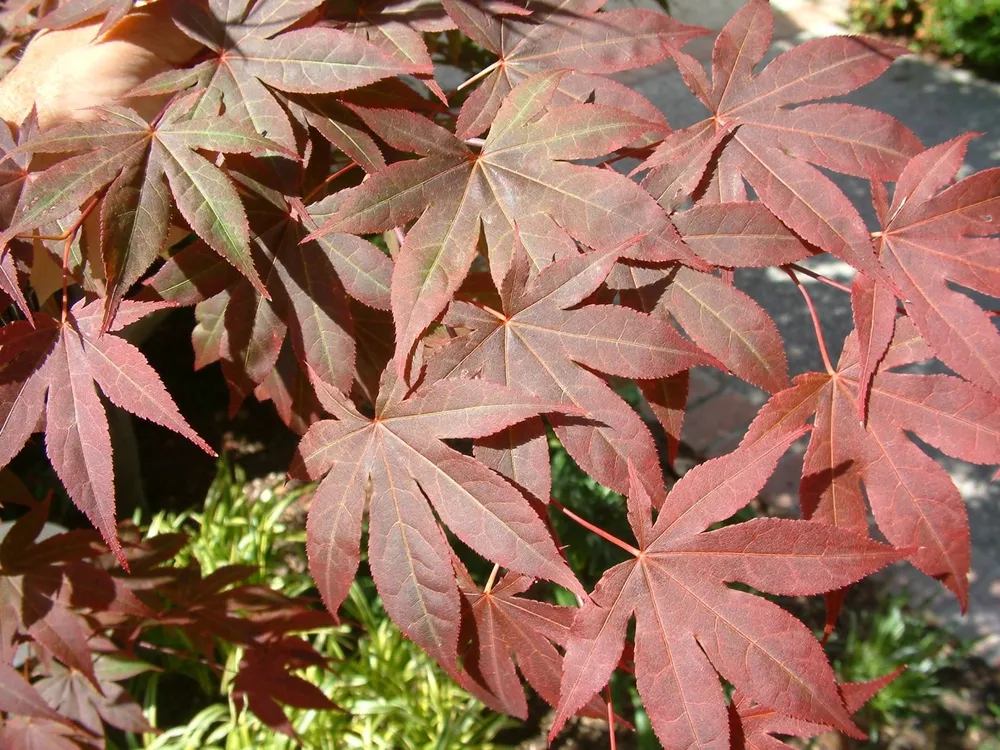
(143,165)
(17,696)
(52,371)
(505,626)
(307,300)
(26,733)
(935,233)
(914,501)
(253,49)
(773,146)
(400,454)
(689,624)
(570,35)
(266,682)
(543,342)
(519,176)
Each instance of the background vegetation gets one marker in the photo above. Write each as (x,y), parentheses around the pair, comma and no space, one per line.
(966,31)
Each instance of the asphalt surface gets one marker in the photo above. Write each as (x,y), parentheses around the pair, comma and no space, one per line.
(938,103)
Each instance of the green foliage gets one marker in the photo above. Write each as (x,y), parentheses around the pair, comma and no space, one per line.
(392,694)
(896,17)
(966,30)
(930,693)
(969,29)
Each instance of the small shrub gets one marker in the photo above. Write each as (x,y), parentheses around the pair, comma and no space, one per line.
(389,693)
(967,31)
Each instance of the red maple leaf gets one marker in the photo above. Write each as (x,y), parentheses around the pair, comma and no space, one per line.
(521,171)
(399,452)
(753,133)
(935,233)
(49,374)
(545,341)
(690,624)
(571,35)
(914,501)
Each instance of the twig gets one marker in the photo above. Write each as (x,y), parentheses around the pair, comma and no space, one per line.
(475,142)
(597,530)
(815,319)
(60,237)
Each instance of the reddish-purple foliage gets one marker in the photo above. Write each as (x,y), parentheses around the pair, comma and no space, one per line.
(449,276)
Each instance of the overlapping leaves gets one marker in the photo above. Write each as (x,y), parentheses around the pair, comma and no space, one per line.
(519,180)
(137,161)
(518,291)
(305,282)
(400,453)
(255,47)
(541,341)
(565,34)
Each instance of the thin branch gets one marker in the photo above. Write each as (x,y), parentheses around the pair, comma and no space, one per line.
(815,319)
(596,529)
(819,277)
(492,579)
(475,142)
(481,74)
(64,235)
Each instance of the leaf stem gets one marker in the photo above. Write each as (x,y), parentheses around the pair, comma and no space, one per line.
(309,196)
(815,320)
(475,142)
(69,236)
(596,529)
(492,579)
(611,718)
(818,277)
(481,74)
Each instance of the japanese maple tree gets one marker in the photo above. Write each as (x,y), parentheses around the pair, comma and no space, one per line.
(432,283)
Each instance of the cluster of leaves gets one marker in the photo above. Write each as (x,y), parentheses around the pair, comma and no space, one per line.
(515,282)
(75,626)
(391,694)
